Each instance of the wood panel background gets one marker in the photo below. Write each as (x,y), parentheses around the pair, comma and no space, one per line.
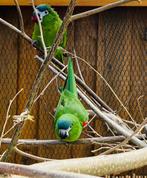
(113,42)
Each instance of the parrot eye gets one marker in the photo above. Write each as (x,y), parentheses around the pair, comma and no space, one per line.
(46,12)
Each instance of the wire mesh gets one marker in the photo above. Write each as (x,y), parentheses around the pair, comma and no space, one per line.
(112,42)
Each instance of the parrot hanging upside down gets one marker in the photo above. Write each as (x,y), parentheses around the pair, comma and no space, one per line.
(51,23)
(70,116)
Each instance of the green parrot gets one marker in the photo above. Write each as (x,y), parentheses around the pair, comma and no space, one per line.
(70,116)
(51,23)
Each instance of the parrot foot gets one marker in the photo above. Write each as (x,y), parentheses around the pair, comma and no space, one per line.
(34,43)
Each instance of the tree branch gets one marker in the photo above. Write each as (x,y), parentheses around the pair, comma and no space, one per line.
(99,165)
(34,142)
(99,9)
(20,17)
(9,168)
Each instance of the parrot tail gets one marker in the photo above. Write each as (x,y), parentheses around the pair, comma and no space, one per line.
(70,84)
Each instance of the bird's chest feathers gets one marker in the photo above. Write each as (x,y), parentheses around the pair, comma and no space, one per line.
(49,33)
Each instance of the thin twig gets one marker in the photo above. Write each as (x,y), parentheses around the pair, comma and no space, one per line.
(7,114)
(138,102)
(28,155)
(127,139)
(11,128)
(94,131)
(41,31)
(20,17)
(99,9)
(78,66)
(109,129)
(42,92)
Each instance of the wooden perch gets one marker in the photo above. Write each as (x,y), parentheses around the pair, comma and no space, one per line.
(34,142)
(9,168)
(99,165)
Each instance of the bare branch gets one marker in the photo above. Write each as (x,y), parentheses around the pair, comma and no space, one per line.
(28,155)
(99,9)
(9,168)
(78,66)
(42,92)
(20,17)
(127,139)
(41,31)
(7,115)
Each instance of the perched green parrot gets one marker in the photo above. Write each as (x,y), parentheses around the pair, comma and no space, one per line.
(51,23)
(70,116)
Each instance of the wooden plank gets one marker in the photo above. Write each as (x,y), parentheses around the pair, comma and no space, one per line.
(138,63)
(8,69)
(117,57)
(66,2)
(86,47)
(100,126)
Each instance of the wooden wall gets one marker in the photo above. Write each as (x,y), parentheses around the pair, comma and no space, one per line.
(112,42)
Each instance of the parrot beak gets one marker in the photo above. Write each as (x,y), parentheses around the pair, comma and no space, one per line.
(34,18)
(64,133)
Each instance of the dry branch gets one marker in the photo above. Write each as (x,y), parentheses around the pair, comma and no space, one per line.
(34,142)
(100,165)
(8,116)
(100,9)
(20,16)
(28,155)
(9,168)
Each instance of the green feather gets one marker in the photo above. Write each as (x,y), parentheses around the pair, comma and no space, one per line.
(70,108)
(50,25)
(71,83)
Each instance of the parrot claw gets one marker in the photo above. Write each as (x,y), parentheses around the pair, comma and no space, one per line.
(34,43)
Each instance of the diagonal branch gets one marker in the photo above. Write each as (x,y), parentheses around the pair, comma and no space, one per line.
(100,9)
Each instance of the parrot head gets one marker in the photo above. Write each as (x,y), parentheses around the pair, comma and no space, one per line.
(68,128)
(44,12)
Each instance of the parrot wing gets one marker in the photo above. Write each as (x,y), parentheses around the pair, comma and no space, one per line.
(68,103)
